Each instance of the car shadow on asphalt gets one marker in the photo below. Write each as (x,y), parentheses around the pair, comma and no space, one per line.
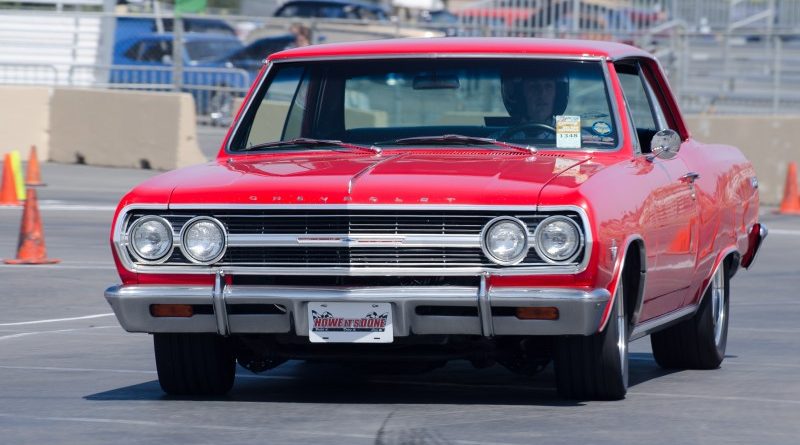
(325,383)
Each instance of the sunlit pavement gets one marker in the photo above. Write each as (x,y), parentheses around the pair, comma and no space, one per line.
(71,375)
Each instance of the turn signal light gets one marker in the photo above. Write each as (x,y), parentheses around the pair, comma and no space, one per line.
(171,310)
(537,313)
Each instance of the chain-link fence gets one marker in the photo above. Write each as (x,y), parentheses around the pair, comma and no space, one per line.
(722,56)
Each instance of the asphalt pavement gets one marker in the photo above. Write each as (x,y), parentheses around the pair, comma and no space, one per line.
(71,375)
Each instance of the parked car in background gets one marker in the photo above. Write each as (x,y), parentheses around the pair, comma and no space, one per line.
(412,201)
(332,9)
(127,27)
(210,64)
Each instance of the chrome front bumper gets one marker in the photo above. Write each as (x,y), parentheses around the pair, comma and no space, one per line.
(580,311)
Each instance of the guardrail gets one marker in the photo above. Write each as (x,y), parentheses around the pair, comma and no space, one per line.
(28,74)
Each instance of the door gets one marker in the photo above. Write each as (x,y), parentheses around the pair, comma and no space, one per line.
(671,213)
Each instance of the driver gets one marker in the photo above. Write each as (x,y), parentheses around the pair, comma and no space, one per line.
(535,98)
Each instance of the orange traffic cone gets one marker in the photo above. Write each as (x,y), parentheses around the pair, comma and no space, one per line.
(31,249)
(8,189)
(33,177)
(791,200)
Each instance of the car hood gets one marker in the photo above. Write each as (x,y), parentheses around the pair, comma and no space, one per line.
(452,177)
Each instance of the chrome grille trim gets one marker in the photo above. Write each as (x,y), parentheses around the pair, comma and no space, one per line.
(399,264)
(354,240)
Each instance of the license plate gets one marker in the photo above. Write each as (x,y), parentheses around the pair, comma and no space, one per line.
(350,323)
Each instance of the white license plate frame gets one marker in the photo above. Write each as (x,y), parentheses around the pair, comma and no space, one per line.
(350,322)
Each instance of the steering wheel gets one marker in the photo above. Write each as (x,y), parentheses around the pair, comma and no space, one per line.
(510,131)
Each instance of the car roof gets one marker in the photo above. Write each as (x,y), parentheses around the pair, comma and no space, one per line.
(465,46)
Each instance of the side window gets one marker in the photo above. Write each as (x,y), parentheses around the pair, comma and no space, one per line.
(133,52)
(645,112)
(281,111)
(288,11)
(155,51)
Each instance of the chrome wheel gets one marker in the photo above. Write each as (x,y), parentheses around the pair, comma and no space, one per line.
(718,307)
(622,334)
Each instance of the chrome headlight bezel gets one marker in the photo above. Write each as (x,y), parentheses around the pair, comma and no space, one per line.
(185,250)
(132,247)
(485,244)
(540,250)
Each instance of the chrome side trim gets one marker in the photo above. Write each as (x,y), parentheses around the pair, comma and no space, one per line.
(355,271)
(220,308)
(485,309)
(637,311)
(652,325)
(333,58)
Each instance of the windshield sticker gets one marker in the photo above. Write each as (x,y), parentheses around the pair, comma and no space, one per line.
(568,131)
(601,128)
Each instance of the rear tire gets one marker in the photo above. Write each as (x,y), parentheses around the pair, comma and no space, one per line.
(194,364)
(595,367)
(700,341)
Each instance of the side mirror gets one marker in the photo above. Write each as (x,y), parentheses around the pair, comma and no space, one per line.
(665,144)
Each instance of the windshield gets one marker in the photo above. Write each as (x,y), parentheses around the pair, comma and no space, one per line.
(546,104)
(205,50)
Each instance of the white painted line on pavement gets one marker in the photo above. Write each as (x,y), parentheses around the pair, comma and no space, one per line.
(45,205)
(172,426)
(783,232)
(58,331)
(715,398)
(56,320)
(51,368)
(133,371)
(108,266)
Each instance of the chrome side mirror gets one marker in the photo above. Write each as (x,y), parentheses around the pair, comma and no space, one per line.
(665,144)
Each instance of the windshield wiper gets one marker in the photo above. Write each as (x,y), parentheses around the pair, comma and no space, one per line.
(459,139)
(310,142)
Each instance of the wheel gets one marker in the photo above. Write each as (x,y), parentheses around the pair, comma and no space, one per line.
(595,367)
(194,364)
(700,341)
(523,128)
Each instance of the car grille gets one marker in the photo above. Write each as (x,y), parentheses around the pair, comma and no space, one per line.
(435,225)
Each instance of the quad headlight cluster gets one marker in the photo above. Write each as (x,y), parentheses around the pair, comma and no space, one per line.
(506,241)
(202,239)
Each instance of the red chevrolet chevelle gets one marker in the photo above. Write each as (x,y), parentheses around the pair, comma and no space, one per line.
(409,202)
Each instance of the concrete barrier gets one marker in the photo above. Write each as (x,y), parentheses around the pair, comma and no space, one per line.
(770,142)
(123,129)
(24,120)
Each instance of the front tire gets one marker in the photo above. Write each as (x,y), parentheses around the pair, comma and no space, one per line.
(194,364)
(700,341)
(595,367)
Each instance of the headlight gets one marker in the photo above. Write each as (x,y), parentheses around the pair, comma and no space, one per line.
(150,238)
(505,240)
(203,240)
(557,239)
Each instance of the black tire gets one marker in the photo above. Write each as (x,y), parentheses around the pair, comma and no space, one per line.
(698,342)
(595,367)
(194,364)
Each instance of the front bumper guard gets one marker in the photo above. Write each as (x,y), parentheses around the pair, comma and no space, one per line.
(579,311)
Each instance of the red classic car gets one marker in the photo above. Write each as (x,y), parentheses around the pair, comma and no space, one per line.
(408,202)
